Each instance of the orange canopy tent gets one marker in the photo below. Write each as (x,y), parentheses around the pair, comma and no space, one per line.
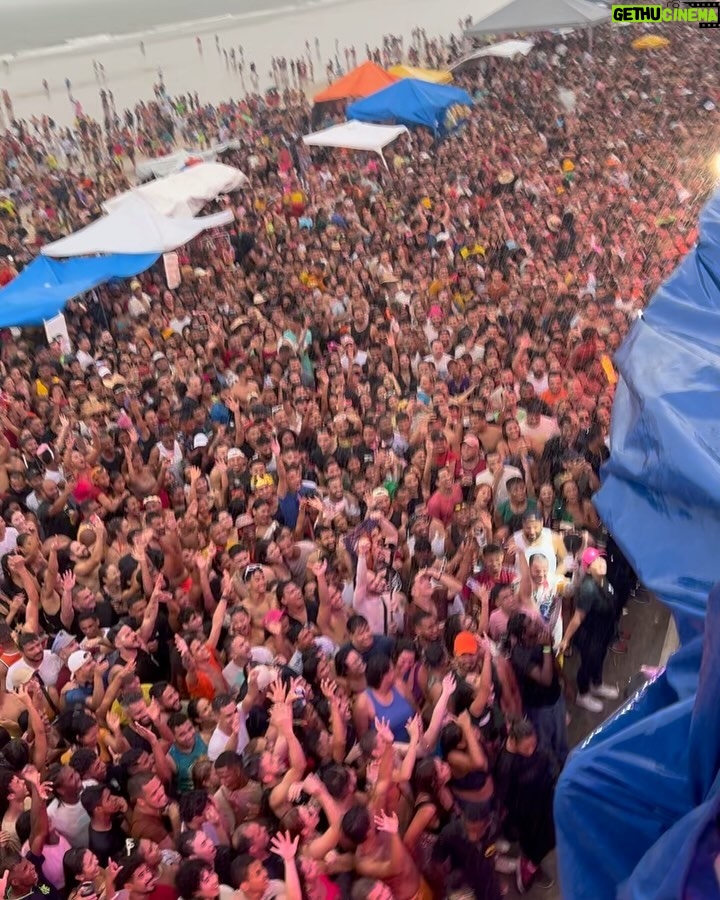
(366,79)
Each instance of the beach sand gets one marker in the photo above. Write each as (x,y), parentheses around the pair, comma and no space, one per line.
(130,75)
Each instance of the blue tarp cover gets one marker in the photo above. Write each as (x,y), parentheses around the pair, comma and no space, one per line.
(42,289)
(635,806)
(410,102)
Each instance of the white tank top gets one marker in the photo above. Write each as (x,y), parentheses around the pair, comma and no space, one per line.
(544,545)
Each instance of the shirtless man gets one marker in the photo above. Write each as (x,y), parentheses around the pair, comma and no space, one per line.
(380,852)
(258,602)
(333,614)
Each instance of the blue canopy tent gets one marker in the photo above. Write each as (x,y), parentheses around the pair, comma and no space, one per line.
(636,805)
(411,102)
(42,289)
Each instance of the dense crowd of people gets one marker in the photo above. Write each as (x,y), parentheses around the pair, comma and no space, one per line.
(293,555)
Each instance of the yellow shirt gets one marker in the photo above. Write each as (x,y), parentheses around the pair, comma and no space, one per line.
(118,710)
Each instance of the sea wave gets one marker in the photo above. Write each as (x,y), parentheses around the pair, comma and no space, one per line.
(167,31)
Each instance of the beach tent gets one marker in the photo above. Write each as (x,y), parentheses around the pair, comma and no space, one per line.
(176,162)
(523,16)
(501,50)
(366,79)
(185,193)
(43,288)
(637,802)
(411,102)
(356,136)
(134,227)
(436,76)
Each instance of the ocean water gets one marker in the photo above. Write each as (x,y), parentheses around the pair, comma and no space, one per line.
(57,40)
(29,25)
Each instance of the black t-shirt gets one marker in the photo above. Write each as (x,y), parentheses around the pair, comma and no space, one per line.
(112,466)
(381,646)
(106,616)
(65,522)
(534,694)
(471,865)
(106,844)
(146,667)
(162,634)
(43,890)
(597,601)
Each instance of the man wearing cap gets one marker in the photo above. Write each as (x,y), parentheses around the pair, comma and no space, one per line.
(86,686)
(470,464)
(592,630)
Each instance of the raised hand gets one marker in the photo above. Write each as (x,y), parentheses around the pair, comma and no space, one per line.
(382,728)
(277,693)
(284,846)
(414,728)
(295,791)
(112,720)
(313,786)
(319,568)
(226,584)
(67,580)
(449,684)
(145,732)
(388,824)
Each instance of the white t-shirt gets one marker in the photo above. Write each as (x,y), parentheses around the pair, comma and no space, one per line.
(71,820)
(275,891)
(48,670)
(501,494)
(218,739)
(540,384)
(85,359)
(9,542)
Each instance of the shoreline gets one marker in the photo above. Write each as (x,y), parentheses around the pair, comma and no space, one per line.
(264,34)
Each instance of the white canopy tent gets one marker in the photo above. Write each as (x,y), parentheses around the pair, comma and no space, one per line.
(134,227)
(176,162)
(502,50)
(185,193)
(525,16)
(356,136)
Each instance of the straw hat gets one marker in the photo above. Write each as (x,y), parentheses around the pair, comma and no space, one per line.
(259,299)
(506,177)
(93,407)
(113,381)
(239,322)
(554,223)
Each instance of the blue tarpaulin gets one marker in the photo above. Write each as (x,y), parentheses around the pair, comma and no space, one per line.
(42,289)
(636,805)
(410,102)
